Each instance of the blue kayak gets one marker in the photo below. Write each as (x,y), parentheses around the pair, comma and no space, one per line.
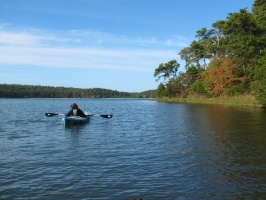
(75,120)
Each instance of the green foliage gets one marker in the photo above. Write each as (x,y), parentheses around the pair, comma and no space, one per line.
(197,87)
(259,85)
(30,91)
(259,10)
(174,87)
(193,73)
(242,41)
(186,54)
(161,91)
(234,91)
(235,48)
(167,70)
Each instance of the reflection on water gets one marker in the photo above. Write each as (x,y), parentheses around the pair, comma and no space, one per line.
(234,147)
(148,149)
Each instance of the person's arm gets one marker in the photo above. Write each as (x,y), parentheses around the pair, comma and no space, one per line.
(81,113)
(69,113)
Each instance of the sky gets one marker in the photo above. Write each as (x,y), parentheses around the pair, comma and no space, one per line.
(111,44)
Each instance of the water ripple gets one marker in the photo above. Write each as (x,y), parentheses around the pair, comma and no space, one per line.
(147,150)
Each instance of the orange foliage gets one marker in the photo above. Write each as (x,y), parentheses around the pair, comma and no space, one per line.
(220,76)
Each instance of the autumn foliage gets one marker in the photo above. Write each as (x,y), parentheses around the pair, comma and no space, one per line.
(228,59)
(222,75)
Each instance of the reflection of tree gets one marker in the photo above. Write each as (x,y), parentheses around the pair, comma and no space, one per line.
(229,146)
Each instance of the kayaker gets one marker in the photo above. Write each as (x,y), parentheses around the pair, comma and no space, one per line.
(75,111)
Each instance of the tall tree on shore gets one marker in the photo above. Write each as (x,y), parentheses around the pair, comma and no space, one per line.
(241,40)
(259,10)
(259,84)
(167,70)
(236,50)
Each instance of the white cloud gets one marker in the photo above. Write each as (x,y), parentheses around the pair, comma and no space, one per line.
(137,60)
(84,49)
(9,38)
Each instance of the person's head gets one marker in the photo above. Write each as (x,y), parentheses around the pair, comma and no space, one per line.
(74,106)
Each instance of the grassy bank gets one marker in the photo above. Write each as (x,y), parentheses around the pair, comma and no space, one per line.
(245,100)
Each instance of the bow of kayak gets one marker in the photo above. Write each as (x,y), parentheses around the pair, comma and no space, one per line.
(75,120)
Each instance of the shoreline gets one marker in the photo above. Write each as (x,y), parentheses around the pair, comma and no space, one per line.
(245,100)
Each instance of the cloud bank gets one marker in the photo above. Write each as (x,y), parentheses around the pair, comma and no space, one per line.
(86,49)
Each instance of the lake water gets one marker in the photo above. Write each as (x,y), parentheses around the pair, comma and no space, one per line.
(148,150)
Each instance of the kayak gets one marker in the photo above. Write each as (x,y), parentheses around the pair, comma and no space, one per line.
(75,120)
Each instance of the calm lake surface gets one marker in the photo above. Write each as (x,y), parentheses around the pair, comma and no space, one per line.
(148,150)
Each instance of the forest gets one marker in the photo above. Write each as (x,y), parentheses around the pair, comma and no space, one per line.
(229,59)
(31,91)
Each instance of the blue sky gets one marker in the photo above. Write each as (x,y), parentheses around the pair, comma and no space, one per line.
(112,44)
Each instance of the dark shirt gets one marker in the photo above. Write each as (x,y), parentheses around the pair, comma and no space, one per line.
(79,113)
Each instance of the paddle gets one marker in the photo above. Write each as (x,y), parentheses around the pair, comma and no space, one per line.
(53,114)
(56,114)
(104,116)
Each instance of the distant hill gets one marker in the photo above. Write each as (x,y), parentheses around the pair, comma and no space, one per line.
(33,91)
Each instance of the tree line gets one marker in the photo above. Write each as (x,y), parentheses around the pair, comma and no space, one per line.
(31,91)
(227,60)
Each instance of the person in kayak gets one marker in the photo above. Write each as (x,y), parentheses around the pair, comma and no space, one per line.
(75,111)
